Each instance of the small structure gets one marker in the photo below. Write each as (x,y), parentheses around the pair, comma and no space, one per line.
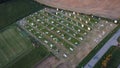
(89,28)
(69,14)
(71,49)
(78,30)
(115,21)
(82,25)
(57,9)
(86,22)
(74,13)
(65,55)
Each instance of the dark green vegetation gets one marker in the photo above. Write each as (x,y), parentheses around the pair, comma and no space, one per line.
(98,47)
(118,39)
(29,60)
(2,1)
(14,10)
(12,45)
(16,49)
(115,59)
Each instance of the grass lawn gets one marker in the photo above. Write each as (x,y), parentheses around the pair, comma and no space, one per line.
(115,59)
(29,60)
(16,49)
(97,48)
(12,45)
(14,10)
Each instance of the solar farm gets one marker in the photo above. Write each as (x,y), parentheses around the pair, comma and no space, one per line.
(62,32)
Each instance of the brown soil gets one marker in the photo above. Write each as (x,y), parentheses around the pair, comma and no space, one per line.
(49,62)
(104,8)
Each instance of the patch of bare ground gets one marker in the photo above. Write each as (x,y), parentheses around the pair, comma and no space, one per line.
(64,65)
(104,8)
(100,31)
(49,62)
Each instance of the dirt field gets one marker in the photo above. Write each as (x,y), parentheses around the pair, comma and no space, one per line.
(99,31)
(50,62)
(103,8)
(92,39)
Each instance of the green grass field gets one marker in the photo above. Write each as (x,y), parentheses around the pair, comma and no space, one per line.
(14,10)
(115,59)
(29,60)
(12,45)
(16,49)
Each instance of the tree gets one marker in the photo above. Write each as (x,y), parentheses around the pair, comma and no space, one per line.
(2,1)
(105,62)
(118,40)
